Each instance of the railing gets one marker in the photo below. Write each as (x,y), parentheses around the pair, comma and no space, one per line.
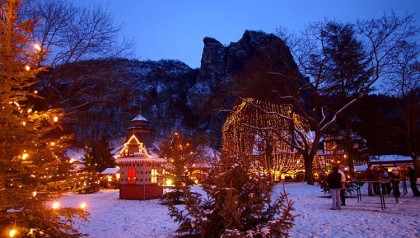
(360,182)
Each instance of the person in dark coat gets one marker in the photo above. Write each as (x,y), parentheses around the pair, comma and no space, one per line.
(334,183)
(371,178)
(411,174)
(376,185)
(395,181)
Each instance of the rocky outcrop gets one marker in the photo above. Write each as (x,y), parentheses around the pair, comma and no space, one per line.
(259,65)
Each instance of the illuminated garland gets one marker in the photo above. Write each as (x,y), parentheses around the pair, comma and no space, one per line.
(263,132)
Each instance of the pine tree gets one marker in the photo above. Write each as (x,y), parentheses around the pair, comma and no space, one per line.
(181,154)
(237,204)
(32,175)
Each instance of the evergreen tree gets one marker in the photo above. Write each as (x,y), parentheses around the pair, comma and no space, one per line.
(181,154)
(100,156)
(31,171)
(237,204)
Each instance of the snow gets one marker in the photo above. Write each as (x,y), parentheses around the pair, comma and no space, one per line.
(387,158)
(139,117)
(112,217)
(110,171)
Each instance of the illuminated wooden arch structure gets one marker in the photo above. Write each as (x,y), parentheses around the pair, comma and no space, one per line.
(258,130)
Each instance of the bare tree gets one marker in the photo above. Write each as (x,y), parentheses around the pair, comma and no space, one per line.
(73,34)
(404,82)
(379,39)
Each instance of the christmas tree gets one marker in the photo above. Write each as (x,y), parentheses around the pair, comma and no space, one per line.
(181,154)
(238,200)
(32,173)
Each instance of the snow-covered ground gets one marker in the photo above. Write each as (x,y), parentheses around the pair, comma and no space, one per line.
(112,217)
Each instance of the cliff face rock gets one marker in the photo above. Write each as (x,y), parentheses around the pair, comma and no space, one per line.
(106,94)
(259,65)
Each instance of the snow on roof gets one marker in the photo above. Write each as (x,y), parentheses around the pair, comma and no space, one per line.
(110,171)
(138,159)
(384,158)
(139,117)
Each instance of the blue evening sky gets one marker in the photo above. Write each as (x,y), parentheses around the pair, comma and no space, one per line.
(174,29)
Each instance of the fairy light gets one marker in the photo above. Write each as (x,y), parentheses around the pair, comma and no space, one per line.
(12,233)
(27,67)
(34,193)
(256,124)
(55,119)
(83,205)
(25,155)
(56,205)
(37,47)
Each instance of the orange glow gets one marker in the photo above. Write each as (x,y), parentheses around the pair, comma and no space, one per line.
(12,233)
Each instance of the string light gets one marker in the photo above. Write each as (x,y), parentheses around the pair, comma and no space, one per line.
(25,155)
(83,205)
(37,47)
(55,119)
(259,129)
(27,67)
(56,205)
(12,233)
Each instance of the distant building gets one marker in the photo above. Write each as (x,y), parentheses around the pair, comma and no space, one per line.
(332,151)
(390,160)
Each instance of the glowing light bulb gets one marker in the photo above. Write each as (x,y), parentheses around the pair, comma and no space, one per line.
(34,194)
(37,47)
(27,67)
(83,205)
(25,155)
(55,119)
(55,205)
(12,233)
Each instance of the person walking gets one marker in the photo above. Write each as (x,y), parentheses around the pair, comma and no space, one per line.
(411,174)
(343,187)
(334,183)
(376,185)
(384,178)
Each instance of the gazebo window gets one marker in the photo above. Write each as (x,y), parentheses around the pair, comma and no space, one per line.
(132,176)
(154,176)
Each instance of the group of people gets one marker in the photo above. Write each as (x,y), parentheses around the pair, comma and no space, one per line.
(379,178)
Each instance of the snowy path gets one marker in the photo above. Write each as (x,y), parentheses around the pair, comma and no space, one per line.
(111,217)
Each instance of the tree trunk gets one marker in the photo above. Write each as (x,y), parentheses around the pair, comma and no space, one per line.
(349,144)
(309,176)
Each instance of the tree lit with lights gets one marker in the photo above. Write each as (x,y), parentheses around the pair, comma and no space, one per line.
(32,172)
